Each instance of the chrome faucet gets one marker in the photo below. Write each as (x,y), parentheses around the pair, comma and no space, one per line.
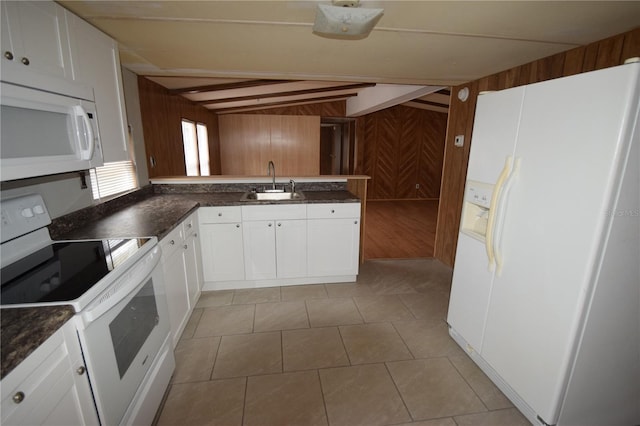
(293,185)
(271,167)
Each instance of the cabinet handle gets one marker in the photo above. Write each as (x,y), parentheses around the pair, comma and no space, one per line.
(152,161)
(18,397)
(237,225)
(355,222)
(280,224)
(172,242)
(25,61)
(185,246)
(219,214)
(270,224)
(189,226)
(333,211)
(80,370)
(195,235)
(8,55)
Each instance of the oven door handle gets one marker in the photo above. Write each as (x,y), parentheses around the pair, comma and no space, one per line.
(134,278)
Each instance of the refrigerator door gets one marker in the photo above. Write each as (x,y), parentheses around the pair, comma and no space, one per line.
(494,135)
(569,142)
(495,130)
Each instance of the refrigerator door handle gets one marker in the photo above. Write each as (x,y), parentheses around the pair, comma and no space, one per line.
(502,202)
(488,241)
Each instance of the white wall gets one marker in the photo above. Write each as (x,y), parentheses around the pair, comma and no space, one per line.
(62,193)
(134,118)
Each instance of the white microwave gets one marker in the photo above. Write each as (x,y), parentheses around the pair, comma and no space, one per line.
(45,133)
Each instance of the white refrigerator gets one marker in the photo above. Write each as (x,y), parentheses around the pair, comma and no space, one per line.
(545,295)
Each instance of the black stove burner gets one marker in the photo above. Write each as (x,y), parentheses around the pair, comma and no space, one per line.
(63,271)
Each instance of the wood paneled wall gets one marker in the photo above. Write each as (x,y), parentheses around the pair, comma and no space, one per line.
(605,53)
(162,114)
(399,148)
(249,141)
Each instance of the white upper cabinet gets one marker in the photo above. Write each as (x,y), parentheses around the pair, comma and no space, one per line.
(34,40)
(96,63)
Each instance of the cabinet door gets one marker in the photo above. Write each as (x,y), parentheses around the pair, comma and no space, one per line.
(96,63)
(222,252)
(291,245)
(54,387)
(333,246)
(177,295)
(193,267)
(35,33)
(259,249)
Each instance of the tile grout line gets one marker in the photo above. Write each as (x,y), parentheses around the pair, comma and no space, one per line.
(395,385)
(324,402)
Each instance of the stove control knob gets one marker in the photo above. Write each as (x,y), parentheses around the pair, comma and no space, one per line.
(27,212)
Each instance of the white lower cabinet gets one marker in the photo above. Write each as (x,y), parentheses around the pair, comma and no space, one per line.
(182,271)
(264,245)
(333,239)
(50,387)
(275,241)
(222,247)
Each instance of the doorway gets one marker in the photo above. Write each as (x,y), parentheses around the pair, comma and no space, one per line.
(337,145)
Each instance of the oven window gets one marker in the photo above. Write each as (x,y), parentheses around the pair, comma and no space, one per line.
(130,329)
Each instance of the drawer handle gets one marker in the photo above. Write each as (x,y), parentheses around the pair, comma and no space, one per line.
(80,370)
(270,224)
(25,61)
(185,246)
(219,214)
(189,226)
(237,225)
(8,55)
(355,222)
(280,224)
(172,242)
(333,211)
(18,397)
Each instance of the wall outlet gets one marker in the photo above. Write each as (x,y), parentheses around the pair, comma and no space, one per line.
(458,140)
(417,186)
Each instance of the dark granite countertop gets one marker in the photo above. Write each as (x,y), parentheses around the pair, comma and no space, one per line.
(158,214)
(148,214)
(24,329)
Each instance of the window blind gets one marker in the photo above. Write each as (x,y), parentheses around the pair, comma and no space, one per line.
(113,178)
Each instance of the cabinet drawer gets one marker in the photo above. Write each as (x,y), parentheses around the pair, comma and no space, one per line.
(274,212)
(171,241)
(333,210)
(228,214)
(190,225)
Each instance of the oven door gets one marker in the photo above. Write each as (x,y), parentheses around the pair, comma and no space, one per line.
(123,332)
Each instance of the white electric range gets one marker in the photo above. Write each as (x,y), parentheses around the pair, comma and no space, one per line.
(116,288)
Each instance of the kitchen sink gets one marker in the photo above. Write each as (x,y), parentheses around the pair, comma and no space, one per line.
(272,196)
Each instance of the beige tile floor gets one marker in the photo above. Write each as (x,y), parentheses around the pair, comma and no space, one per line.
(375,352)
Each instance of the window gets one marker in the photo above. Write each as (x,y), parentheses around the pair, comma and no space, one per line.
(196,148)
(113,178)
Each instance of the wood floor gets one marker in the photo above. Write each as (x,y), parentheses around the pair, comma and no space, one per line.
(400,229)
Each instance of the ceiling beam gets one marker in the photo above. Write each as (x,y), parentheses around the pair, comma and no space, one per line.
(226,86)
(285,94)
(281,104)
(383,96)
(436,104)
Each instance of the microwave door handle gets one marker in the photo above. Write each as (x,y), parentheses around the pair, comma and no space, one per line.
(86,151)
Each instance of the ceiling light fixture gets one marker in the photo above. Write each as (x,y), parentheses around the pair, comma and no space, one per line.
(345,20)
